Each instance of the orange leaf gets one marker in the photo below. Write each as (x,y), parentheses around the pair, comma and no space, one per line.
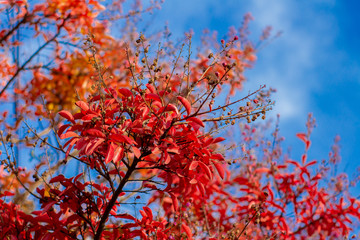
(262,170)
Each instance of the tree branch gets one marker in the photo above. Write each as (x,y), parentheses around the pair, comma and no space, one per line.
(114,198)
(32,56)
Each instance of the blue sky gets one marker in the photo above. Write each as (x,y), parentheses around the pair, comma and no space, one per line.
(314,65)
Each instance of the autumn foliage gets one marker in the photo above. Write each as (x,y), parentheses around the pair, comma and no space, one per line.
(118,136)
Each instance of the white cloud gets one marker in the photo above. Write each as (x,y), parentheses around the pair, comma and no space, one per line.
(288,64)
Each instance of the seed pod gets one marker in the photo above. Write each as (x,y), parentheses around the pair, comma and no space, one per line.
(8,137)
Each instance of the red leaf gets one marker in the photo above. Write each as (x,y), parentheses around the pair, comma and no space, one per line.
(62,129)
(95,133)
(143,214)
(125,92)
(153,96)
(68,135)
(67,115)
(57,178)
(83,105)
(171,107)
(126,216)
(206,169)
(151,88)
(219,139)
(303,137)
(293,162)
(187,230)
(148,212)
(122,138)
(48,206)
(71,143)
(311,163)
(118,154)
(135,233)
(7,193)
(217,156)
(220,168)
(197,121)
(193,165)
(193,181)
(303,158)
(174,150)
(175,201)
(89,117)
(201,188)
(167,158)
(110,153)
(136,152)
(113,172)
(92,147)
(77,177)
(307,145)
(185,103)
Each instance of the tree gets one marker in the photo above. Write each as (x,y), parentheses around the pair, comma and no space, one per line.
(133,140)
